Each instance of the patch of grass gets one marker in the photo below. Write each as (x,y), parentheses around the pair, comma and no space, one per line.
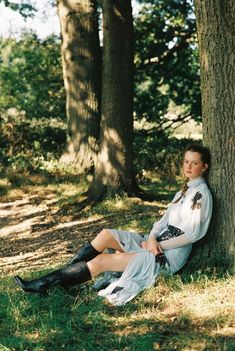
(186,312)
(198,316)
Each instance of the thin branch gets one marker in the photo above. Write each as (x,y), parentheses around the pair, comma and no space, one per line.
(183,119)
(167,55)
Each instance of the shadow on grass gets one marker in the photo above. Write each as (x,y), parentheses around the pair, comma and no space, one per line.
(86,322)
(40,227)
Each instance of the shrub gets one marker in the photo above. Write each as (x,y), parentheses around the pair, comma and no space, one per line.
(26,144)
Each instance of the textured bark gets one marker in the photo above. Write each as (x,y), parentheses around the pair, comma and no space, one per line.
(113,170)
(216,36)
(81,59)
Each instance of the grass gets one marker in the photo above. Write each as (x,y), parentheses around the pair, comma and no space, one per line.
(184,312)
(179,313)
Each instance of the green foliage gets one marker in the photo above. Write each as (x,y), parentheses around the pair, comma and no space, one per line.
(31,76)
(167,80)
(25,145)
(25,8)
(166,60)
(156,152)
(29,145)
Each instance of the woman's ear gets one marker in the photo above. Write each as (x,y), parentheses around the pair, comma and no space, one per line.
(205,166)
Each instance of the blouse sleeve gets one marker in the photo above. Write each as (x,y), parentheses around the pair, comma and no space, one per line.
(173,243)
(163,222)
(197,221)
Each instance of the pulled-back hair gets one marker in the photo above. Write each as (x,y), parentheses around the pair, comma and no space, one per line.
(202,150)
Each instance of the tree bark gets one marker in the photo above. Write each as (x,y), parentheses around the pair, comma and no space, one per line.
(215,27)
(114,169)
(81,60)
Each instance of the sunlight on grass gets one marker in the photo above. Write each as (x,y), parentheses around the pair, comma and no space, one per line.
(187,312)
(4,182)
(180,313)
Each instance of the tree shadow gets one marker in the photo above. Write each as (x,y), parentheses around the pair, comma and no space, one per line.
(37,232)
(82,321)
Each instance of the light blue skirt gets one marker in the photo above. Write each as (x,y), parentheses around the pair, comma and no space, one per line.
(140,273)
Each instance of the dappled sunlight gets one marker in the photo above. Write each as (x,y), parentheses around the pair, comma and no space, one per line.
(191,315)
(80,223)
(23,227)
(46,228)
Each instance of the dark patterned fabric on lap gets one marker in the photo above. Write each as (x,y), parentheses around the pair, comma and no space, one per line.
(171,232)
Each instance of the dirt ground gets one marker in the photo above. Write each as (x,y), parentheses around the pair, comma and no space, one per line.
(35,233)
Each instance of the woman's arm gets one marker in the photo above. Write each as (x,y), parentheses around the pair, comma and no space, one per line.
(194,226)
(162,223)
(173,243)
(197,221)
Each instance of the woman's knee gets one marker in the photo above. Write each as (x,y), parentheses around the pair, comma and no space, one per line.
(105,240)
(105,232)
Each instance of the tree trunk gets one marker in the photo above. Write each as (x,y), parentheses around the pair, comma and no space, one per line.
(215,27)
(81,59)
(114,170)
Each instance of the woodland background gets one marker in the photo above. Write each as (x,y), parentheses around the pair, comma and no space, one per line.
(166,94)
(93,124)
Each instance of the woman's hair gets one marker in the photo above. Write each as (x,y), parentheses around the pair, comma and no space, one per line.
(202,150)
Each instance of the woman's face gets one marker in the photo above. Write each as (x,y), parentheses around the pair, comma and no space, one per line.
(193,166)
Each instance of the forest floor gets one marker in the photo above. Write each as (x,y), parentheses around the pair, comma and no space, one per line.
(42,226)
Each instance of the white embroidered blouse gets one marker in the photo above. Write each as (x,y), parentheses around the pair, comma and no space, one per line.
(191,214)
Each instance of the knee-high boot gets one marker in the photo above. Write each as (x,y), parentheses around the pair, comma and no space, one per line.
(77,273)
(87,253)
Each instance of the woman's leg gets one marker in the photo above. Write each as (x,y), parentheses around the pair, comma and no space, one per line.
(105,240)
(77,273)
(109,262)
(74,274)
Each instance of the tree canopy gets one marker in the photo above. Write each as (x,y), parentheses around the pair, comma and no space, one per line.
(24,7)
(31,76)
(167,86)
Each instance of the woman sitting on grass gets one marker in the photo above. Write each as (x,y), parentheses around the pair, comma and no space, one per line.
(167,247)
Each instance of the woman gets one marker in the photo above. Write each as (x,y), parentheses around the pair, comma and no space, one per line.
(167,247)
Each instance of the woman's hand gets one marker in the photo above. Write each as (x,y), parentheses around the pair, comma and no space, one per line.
(153,246)
(144,245)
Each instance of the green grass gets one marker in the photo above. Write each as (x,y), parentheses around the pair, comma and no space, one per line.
(179,313)
(184,312)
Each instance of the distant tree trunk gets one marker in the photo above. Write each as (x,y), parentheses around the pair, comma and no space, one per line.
(215,26)
(114,170)
(81,59)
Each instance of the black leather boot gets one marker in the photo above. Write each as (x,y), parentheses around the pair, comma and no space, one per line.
(77,273)
(87,253)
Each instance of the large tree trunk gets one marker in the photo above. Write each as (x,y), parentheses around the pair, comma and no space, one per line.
(81,59)
(114,170)
(215,27)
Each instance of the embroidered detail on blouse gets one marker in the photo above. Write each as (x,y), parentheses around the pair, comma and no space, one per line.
(171,232)
(116,289)
(195,199)
(161,259)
